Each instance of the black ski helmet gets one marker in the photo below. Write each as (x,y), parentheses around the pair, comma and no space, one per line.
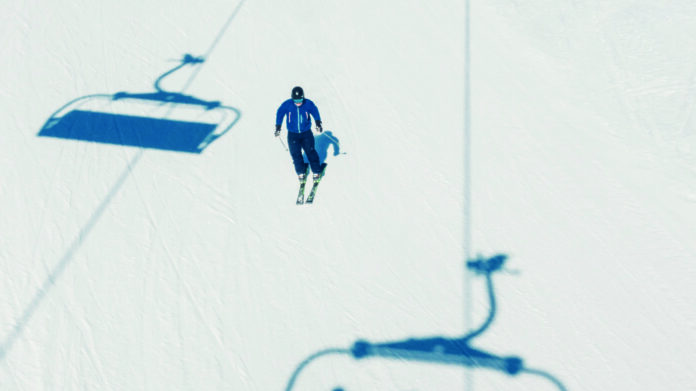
(297,93)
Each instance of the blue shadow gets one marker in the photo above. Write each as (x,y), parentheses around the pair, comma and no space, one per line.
(183,123)
(132,131)
(442,350)
(322,143)
(81,119)
(55,273)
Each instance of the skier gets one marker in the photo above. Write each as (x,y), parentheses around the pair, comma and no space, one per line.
(298,110)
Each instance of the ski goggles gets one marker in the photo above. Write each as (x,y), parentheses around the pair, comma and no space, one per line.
(298,101)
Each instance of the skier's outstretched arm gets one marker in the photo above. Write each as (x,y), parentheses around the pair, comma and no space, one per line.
(280,114)
(314,111)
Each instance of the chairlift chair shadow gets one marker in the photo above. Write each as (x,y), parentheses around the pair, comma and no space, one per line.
(443,350)
(157,120)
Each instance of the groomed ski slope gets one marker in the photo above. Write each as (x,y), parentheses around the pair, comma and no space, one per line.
(141,269)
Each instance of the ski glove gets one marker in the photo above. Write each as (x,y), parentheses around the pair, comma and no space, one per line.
(277,131)
(319,128)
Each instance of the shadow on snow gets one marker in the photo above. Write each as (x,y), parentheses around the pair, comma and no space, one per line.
(441,350)
(157,120)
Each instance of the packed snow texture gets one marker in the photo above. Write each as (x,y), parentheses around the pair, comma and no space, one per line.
(124,268)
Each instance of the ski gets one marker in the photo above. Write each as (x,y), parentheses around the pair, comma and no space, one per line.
(312,193)
(303,184)
(315,185)
(300,195)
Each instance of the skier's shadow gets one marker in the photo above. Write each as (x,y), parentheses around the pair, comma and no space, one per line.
(322,143)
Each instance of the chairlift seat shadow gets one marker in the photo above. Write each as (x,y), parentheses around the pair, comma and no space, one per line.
(158,120)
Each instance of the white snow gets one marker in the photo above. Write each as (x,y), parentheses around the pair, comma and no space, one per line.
(138,269)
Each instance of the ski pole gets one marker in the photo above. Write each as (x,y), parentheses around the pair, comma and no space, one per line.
(282,143)
(335,140)
(332,138)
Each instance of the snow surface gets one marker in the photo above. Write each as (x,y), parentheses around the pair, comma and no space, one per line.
(137,269)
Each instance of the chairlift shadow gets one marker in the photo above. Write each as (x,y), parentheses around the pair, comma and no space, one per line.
(157,120)
(443,350)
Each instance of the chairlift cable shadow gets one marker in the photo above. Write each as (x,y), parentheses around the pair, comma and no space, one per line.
(53,125)
(162,119)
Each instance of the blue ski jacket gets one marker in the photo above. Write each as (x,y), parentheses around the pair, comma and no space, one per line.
(298,120)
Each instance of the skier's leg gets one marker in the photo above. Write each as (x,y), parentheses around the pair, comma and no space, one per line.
(295,147)
(311,152)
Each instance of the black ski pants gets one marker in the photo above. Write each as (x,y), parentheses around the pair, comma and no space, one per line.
(298,142)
